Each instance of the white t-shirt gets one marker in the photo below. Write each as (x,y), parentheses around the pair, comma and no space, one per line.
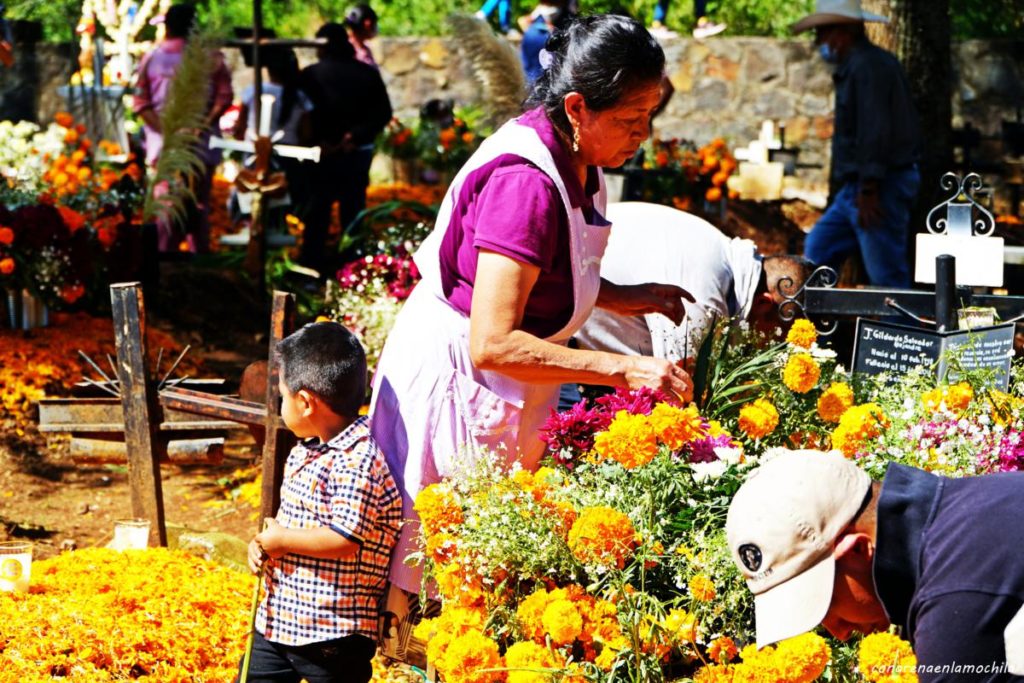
(291,126)
(655,243)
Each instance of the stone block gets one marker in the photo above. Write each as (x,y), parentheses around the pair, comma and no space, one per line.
(764,62)
(434,54)
(721,67)
(400,58)
(809,77)
(775,103)
(711,95)
(682,79)
(797,129)
(815,105)
(823,127)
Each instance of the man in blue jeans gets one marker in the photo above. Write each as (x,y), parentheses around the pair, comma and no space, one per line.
(875,149)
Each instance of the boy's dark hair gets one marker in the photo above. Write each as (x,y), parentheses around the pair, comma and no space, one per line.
(327,360)
(179,20)
(337,46)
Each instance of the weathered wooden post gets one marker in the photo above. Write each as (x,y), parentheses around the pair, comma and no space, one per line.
(141,409)
(278,438)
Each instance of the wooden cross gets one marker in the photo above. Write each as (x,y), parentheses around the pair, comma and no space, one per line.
(259,180)
(143,402)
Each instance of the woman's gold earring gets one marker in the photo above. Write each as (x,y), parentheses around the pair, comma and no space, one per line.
(575,139)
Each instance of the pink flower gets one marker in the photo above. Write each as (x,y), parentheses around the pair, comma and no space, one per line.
(570,434)
(634,401)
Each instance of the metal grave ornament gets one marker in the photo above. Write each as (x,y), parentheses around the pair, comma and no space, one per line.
(963,232)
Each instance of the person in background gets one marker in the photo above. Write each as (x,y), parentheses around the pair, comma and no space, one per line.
(350,109)
(291,115)
(361,22)
(727,277)
(540,24)
(155,73)
(504,8)
(324,557)
(704,27)
(875,148)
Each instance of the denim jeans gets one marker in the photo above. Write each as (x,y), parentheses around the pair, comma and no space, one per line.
(504,12)
(883,247)
(345,660)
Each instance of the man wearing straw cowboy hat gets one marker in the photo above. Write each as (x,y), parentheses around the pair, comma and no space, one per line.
(875,148)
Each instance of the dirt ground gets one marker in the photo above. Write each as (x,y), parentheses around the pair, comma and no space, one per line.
(48,498)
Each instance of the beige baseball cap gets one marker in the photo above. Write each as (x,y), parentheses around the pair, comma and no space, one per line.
(782,526)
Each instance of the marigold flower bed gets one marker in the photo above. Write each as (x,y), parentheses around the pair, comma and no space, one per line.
(45,362)
(148,615)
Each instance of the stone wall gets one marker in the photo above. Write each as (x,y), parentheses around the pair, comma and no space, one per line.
(724,87)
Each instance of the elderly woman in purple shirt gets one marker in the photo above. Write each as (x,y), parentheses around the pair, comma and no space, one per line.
(512,270)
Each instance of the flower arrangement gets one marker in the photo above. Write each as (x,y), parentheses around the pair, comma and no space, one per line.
(398,141)
(62,211)
(368,294)
(446,148)
(682,175)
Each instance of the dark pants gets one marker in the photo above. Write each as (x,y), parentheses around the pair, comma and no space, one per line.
(341,178)
(345,660)
(883,248)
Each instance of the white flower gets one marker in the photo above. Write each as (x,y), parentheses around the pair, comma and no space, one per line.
(729,455)
(704,471)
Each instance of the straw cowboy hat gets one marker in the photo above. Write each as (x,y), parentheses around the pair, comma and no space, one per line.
(828,12)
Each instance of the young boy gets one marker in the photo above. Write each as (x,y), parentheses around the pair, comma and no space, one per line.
(325,557)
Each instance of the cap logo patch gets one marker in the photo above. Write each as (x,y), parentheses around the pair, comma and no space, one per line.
(750,555)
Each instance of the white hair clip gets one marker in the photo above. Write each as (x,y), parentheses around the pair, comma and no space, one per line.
(545,58)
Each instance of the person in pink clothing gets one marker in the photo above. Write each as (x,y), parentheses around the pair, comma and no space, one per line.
(154,76)
(361,24)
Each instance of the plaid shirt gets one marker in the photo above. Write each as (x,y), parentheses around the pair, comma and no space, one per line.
(343,484)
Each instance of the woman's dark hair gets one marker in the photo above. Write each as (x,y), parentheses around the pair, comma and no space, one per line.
(283,67)
(327,360)
(600,56)
(179,20)
(357,14)
(337,46)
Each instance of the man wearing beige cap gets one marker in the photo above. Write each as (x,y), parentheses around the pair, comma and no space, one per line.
(820,543)
(875,148)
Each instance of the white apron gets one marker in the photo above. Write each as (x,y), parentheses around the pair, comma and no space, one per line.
(430,405)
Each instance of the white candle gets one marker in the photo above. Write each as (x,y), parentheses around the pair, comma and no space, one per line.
(131,534)
(15,566)
(266,109)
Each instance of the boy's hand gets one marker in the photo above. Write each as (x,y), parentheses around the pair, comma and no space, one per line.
(272,539)
(256,556)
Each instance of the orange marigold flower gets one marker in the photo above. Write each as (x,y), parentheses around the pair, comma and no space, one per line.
(629,440)
(676,427)
(722,650)
(6,236)
(758,419)
(64,119)
(835,401)
(885,657)
(858,425)
(6,266)
(702,588)
(562,621)
(471,658)
(603,535)
(803,333)
(955,398)
(801,373)
(713,194)
(437,508)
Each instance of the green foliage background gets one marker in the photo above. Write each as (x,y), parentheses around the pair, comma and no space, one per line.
(294,18)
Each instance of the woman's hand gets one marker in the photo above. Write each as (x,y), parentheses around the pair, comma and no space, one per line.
(658,373)
(646,298)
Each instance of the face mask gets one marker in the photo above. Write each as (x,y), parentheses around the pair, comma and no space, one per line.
(828,53)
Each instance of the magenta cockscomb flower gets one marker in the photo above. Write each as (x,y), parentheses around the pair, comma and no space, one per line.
(570,434)
(1011,453)
(703,450)
(634,401)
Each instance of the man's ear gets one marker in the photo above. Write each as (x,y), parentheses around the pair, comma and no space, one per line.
(855,547)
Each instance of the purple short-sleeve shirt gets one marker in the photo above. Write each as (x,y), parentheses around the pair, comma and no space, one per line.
(511,207)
